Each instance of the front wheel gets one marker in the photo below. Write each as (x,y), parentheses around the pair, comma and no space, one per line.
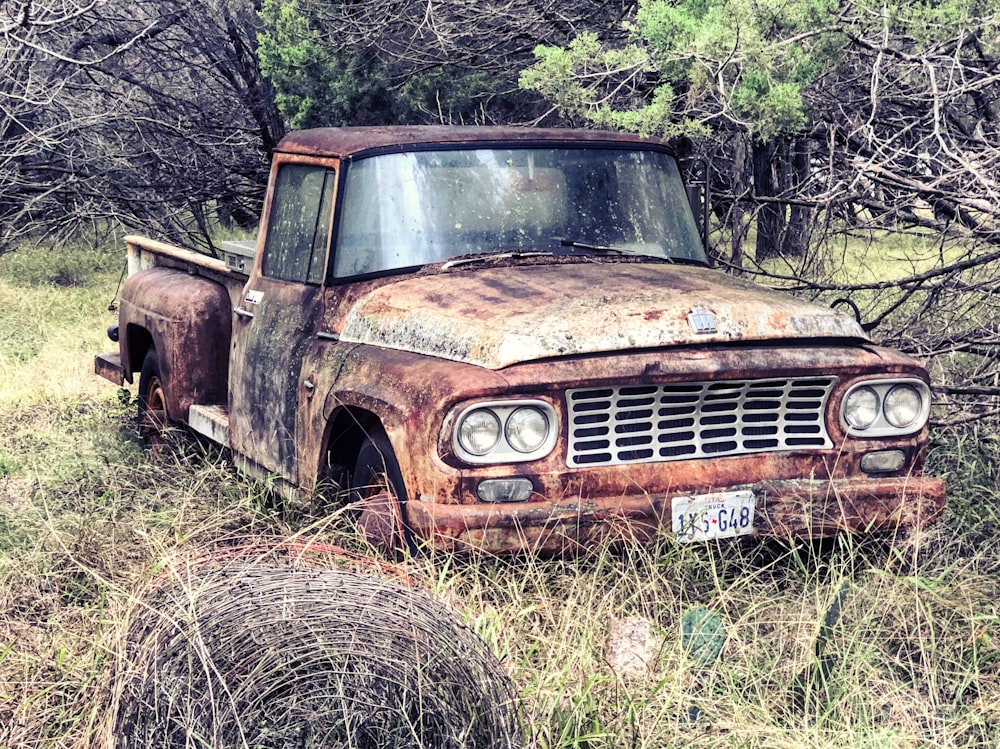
(378,496)
(152,399)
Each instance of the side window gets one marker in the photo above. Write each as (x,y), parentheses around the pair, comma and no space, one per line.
(299,225)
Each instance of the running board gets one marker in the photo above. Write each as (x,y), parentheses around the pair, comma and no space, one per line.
(211,422)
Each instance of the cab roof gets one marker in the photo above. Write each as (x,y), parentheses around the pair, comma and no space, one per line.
(344,142)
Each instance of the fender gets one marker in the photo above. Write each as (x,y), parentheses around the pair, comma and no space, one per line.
(411,395)
(408,394)
(187,319)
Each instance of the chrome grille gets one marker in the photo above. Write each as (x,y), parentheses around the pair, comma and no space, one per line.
(680,421)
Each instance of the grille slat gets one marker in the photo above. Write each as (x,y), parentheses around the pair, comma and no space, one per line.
(644,424)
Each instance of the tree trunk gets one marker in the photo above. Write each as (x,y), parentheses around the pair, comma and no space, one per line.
(795,242)
(740,188)
(770,214)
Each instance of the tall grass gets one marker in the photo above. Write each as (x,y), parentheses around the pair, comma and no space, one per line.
(889,642)
(53,313)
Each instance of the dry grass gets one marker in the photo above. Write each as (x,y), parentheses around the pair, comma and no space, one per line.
(878,643)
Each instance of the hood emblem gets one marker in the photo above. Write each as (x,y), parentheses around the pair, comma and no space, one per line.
(702,321)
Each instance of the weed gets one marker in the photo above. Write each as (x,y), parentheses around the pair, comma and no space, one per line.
(876,642)
(64,268)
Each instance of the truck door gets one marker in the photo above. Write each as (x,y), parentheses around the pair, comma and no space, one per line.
(277,320)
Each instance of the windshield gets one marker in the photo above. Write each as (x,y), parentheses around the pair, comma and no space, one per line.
(407,209)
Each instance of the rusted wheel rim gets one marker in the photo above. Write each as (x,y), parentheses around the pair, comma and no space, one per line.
(154,415)
(374,499)
(377,515)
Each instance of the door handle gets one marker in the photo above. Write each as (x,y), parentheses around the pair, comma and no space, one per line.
(243,313)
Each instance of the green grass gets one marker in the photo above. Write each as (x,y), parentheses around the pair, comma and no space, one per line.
(868,643)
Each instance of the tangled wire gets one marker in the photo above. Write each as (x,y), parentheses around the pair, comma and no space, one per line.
(264,656)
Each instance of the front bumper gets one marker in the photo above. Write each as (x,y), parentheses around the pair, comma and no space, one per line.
(784,509)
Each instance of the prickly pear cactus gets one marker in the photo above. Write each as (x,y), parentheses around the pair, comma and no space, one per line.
(703,635)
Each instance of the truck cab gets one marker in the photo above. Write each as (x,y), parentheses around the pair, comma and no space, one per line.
(512,339)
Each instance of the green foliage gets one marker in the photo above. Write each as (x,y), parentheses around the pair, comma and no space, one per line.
(703,635)
(443,94)
(558,74)
(665,26)
(570,77)
(736,63)
(773,107)
(748,61)
(322,82)
(315,85)
(288,53)
(928,20)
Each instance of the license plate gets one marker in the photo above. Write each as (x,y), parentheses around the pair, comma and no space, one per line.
(703,517)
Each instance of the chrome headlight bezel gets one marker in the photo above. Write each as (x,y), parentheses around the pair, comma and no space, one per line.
(861,408)
(902,406)
(888,421)
(486,427)
(504,451)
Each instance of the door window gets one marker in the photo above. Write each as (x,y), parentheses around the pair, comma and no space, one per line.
(298,231)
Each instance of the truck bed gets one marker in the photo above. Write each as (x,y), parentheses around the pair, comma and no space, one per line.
(232,271)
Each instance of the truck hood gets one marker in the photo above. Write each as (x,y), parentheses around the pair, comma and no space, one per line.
(496,317)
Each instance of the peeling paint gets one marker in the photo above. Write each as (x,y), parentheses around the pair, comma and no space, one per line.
(571,310)
(404,355)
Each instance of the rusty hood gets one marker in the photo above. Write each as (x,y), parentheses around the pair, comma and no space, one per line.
(496,317)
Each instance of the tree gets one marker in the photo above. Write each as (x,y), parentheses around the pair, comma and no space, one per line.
(734,71)
(335,62)
(850,118)
(145,114)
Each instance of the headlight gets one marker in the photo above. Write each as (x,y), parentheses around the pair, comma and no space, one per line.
(861,408)
(527,429)
(511,431)
(479,431)
(886,408)
(903,405)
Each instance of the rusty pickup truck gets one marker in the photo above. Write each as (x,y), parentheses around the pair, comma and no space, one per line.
(512,339)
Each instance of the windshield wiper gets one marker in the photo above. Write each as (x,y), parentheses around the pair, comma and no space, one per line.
(593,247)
(492,257)
(611,250)
(682,260)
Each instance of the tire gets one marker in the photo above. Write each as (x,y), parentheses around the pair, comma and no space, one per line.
(153,420)
(378,497)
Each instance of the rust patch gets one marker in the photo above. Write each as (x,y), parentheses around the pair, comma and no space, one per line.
(811,509)
(402,354)
(540,311)
(348,141)
(189,320)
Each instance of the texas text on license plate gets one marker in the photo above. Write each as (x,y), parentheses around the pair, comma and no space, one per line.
(703,517)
